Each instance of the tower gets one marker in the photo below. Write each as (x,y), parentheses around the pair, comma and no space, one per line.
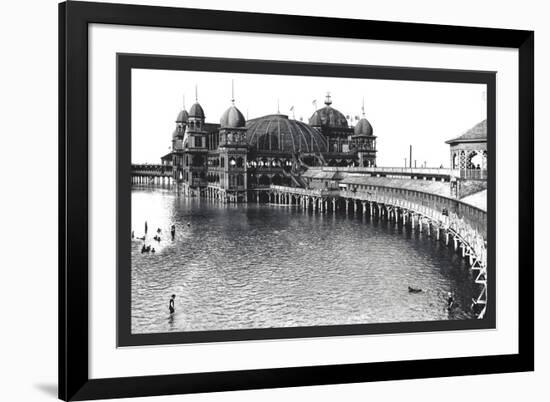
(364,141)
(195,149)
(177,142)
(233,151)
(333,125)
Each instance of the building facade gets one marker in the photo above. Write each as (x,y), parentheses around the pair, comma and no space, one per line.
(469,150)
(236,155)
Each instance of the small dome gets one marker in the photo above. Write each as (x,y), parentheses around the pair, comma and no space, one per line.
(182,116)
(315,120)
(328,116)
(196,111)
(363,127)
(232,118)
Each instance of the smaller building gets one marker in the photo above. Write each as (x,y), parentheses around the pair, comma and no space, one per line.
(469,150)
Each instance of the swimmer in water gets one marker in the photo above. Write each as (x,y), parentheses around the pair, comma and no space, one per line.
(171,304)
(450,301)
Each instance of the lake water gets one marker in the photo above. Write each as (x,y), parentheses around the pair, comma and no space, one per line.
(261,266)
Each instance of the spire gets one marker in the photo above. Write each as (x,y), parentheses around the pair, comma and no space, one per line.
(328,101)
(196,93)
(363,107)
(232,93)
(183,102)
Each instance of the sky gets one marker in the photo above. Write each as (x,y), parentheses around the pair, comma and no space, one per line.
(402,113)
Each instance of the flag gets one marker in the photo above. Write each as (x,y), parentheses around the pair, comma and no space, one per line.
(292,108)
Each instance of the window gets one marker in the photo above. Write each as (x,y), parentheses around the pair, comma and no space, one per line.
(198,142)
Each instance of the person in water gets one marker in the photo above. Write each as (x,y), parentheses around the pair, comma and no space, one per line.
(450,301)
(173,231)
(171,304)
(145,227)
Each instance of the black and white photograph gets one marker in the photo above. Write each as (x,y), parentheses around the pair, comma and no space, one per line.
(275,201)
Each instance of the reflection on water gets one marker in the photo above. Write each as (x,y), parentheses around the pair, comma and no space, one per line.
(260,266)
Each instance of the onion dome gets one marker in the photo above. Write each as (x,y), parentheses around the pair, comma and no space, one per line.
(182,116)
(196,111)
(363,127)
(328,116)
(276,132)
(232,118)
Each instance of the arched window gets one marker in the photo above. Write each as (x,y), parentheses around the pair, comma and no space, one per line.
(277,180)
(198,161)
(240,162)
(264,180)
(240,180)
(475,160)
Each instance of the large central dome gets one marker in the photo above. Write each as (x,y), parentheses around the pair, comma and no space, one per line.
(276,132)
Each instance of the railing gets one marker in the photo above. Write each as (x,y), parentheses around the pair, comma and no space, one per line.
(305,191)
(395,170)
(451,221)
(465,174)
(152,170)
(471,174)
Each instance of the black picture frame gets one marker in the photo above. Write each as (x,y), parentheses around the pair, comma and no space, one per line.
(74,380)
